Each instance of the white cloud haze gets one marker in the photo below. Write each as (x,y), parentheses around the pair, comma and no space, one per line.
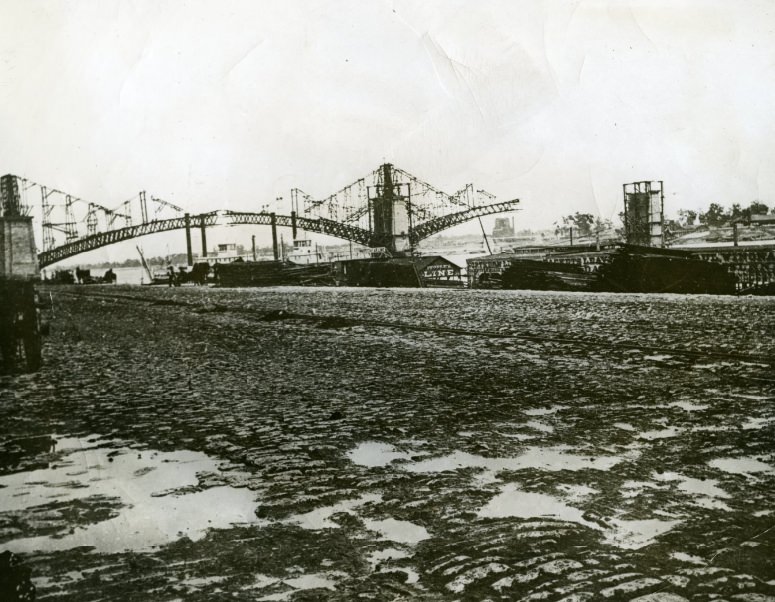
(230,104)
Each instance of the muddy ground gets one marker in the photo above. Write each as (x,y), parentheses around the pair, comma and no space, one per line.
(306,444)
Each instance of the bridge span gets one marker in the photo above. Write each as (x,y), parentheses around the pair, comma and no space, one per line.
(389,208)
(234,218)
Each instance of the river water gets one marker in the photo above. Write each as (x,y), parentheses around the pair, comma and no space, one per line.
(130,275)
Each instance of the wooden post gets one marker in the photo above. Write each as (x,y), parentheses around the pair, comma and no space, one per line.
(597,235)
(189,252)
(273,218)
(204,235)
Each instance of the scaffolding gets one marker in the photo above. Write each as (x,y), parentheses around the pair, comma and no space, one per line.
(644,213)
(390,203)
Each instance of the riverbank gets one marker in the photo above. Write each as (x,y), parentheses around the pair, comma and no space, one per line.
(410,444)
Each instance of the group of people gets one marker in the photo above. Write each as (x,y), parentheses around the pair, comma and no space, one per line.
(197,275)
(176,278)
(82,276)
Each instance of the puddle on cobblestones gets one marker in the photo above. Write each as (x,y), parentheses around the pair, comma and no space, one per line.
(153,489)
(662,434)
(540,426)
(634,534)
(379,556)
(400,531)
(688,406)
(534,457)
(632,489)
(196,583)
(374,454)
(391,529)
(577,492)
(513,502)
(706,488)
(705,492)
(543,411)
(752,397)
(710,428)
(756,423)
(712,366)
(320,518)
(744,466)
(310,581)
(631,534)
(518,436)
(684,557)
(261,581)
(302,582)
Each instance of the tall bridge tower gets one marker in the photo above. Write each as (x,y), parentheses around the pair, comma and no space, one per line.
(390,211)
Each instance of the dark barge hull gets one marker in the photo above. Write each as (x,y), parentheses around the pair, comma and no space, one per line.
(526,274)
(394,273)
(271,273)
(629,269)
(635,269)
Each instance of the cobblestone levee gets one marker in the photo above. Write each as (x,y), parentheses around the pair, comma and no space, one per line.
(408,444)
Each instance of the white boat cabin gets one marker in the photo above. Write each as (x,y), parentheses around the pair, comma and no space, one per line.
(305,252)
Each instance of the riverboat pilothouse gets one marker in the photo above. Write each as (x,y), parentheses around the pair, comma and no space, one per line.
(305,252)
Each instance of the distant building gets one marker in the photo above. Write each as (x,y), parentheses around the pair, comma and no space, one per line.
(504,227)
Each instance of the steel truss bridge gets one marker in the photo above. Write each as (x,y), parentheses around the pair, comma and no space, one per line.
(388,208)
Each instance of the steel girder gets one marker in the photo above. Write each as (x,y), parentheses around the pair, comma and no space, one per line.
(361,235)
(319,225)
(436,225)
(102,239)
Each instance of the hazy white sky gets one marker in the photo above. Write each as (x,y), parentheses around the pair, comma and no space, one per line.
(229,104)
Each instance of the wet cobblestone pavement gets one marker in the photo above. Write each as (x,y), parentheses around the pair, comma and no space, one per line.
(306,444)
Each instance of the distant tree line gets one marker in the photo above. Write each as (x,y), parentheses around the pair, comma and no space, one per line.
(716,215)
(584,224)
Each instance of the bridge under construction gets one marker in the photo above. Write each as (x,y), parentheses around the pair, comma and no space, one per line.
(389,209)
